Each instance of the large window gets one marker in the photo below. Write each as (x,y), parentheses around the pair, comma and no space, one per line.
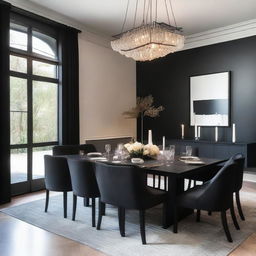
(33,101)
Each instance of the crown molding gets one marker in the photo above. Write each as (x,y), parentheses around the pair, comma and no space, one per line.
(209,37)
(223,34)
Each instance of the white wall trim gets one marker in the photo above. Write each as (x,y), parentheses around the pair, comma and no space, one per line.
(223,34)
(108,137)
(214,36)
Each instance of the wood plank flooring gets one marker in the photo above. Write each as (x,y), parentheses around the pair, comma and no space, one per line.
(18,238)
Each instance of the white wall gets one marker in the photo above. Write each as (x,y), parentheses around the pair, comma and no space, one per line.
(107,88)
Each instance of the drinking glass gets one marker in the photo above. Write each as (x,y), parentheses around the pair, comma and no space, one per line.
(108,149)
(172,148)
(81,152)
(120,147)
(188,151)
(170,155)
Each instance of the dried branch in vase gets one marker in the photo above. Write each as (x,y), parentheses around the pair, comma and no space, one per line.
(144,107)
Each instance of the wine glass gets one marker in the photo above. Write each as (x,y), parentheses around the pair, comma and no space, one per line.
(108,149)
(188,151)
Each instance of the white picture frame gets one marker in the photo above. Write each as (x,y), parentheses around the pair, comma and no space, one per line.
(210,99)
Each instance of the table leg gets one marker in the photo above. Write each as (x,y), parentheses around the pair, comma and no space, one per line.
(175,187)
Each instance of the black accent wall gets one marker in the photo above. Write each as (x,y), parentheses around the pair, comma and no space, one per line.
(167,79)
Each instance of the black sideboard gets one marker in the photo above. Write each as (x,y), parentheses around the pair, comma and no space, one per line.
(218,150)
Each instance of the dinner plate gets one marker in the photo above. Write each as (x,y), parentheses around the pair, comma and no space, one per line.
(189,158)
(98,158)
(194,162)
(94,154)
(102,160)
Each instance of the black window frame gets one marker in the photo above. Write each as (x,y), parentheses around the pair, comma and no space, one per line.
(36,184)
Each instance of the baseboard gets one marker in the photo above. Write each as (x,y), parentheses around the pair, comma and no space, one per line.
(250,175)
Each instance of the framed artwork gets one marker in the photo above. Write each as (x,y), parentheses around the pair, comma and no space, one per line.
(210,99)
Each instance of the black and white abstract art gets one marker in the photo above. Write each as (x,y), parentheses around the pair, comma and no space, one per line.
(209,99)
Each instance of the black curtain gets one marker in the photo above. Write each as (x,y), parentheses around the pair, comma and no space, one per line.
(69,98)
(5,187)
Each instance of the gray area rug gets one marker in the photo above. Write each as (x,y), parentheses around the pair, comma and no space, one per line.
(194,239)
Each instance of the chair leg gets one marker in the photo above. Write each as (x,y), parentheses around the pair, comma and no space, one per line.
(142,226)
(164,212)
(47,200)
(74,207)
(86,201)
(103,209)
(239,206)
(233,215)
(154,180)
(99,215)
(225,226)
(65,199)
(175,220)
(198,214)
(93,212)
(121,221)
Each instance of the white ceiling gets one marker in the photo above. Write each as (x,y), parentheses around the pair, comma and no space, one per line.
(195,16)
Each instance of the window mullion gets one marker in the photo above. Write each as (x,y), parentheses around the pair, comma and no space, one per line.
(30,105)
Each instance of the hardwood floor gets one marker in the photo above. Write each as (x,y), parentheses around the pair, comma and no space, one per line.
(18,238)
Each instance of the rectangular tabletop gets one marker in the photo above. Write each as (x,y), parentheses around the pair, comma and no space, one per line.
(178,168)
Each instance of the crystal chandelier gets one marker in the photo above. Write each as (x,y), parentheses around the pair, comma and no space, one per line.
(150,40)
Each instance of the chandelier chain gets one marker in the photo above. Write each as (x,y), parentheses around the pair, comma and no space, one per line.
(150,11)
(147,14)
(168,16)
(135,15)
(125,17)
(144,9)
(173,14)
(156,12)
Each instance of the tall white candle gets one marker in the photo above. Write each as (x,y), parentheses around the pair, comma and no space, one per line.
(195,131)
(199,132)
(150,137)
(182,131)
(163,143)
(233,133)
(216,133)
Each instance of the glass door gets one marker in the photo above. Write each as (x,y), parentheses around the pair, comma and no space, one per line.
(33,104)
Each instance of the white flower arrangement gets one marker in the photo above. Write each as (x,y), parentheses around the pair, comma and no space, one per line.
(137,149)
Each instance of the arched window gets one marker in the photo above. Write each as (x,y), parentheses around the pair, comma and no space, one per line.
(44,45)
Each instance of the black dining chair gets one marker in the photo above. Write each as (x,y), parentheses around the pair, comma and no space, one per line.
(84,183)
(74,150)
(240,160)
(87,148)
(125,187)
(214,195)
(57,178)
(61,150)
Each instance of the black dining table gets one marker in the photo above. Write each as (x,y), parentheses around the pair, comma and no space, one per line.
(176,172)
